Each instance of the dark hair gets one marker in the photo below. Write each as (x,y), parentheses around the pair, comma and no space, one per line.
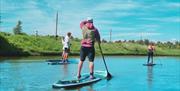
(151,43)
(90,21)
(69,33)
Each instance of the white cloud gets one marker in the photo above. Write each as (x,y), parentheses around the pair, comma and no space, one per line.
(106,22)
(173,5)
(119,15)
(163,19)
(32,17)
(134,34)
(117,5)
(147,27)
(161,5)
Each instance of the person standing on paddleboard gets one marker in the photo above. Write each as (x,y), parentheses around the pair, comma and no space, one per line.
(151,49)
(66,47)
(90,34)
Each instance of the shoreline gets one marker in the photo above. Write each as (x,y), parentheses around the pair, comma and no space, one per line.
(29,45)
(45,57)
(76,54)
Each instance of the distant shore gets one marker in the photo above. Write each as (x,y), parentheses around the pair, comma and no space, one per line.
(74,54)
(31,45)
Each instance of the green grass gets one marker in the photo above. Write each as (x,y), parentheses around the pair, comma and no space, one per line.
(40,45)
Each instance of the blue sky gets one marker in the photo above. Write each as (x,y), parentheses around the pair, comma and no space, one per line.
(156,20)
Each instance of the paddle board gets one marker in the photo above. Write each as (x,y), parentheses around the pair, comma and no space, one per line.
(54,60)
(85,80)
(59,62)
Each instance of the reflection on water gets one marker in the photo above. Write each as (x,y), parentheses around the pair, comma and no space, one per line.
(65,71)
(90,88)
(81,88)
(150,77)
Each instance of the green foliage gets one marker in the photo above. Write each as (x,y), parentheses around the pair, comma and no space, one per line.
(46,45)
(7,48)
(35,44)
(18,29)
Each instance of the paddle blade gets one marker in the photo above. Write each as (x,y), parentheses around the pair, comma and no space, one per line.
(109,76)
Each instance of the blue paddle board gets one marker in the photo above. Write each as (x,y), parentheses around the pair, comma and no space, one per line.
(85,80)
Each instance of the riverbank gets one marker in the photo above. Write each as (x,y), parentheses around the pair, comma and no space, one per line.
(30,45)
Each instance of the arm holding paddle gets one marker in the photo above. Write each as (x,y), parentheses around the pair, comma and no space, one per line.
(109,76)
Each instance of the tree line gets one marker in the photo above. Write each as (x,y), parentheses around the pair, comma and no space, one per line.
(168,44)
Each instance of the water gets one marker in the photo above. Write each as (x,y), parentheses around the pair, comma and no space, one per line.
(34,74)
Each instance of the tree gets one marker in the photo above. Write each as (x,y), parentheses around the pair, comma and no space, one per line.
(118,41)
(177,44)
(146,41)
(159,43)
(18,28)
(169,44)
(140,42)
(131,41)
(104,41)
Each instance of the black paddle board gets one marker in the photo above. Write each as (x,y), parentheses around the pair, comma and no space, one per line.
(60,62)
(149,64)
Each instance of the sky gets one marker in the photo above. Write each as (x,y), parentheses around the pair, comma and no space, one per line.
(156,20)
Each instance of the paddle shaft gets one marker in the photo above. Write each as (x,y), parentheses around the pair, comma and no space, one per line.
(157,57)
(103,58)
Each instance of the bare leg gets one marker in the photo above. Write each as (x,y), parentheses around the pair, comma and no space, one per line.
(152,58)
(79,68)
(63,56)
(148,58)
(67,56)
(91,67)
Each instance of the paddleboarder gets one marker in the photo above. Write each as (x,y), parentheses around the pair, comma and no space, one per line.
(66,47)
(151,49)
(90,34)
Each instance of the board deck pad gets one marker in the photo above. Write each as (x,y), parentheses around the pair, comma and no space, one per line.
(149,64)
(54,60)
(85,80)
(73,81)
(59,62)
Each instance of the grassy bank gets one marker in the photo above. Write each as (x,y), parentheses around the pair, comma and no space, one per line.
(16,45)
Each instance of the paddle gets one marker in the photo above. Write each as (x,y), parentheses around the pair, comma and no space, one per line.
(157,58)
(109,76)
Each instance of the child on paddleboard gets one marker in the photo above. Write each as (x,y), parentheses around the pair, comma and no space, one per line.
(66,47)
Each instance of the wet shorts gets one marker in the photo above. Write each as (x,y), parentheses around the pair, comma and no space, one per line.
(87,51)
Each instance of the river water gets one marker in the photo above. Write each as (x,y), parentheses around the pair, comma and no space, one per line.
(34,74)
